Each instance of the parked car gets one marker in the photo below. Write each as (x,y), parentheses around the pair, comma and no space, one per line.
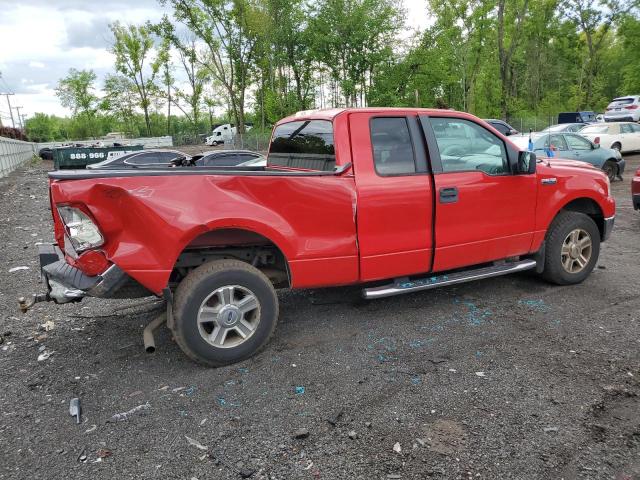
(635,190)
(46,153)
(566,127)
(623,109)
(256,162)
(575,147)
(600,117)
(621,136)
(577,117)
(143,158)
(401,200)
(225,158)
(502,126)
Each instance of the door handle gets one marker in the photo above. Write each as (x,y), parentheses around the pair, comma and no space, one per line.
(448,195)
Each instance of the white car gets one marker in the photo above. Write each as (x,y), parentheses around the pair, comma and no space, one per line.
(623,109)
(621,136)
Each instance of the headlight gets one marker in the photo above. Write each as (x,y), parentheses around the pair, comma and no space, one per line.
(83,233)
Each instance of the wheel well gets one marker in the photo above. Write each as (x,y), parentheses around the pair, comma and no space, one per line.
(233,243)
(588,207)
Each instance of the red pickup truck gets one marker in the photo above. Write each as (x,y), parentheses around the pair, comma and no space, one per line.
(398,200)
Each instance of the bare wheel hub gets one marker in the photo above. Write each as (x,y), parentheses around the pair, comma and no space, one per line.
(576,250)
(228,316)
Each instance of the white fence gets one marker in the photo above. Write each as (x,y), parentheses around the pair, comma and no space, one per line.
(14,153)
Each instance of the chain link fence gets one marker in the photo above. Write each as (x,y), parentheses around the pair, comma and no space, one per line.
(535,124)
(253,140)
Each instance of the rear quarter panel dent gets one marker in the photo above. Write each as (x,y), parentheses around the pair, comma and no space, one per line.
(146,233)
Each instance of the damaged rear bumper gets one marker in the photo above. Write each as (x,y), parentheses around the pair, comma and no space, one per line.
(66,283)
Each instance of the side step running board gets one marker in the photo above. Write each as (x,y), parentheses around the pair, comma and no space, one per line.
(404,285)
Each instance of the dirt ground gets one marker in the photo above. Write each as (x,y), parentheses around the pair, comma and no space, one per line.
(503,378)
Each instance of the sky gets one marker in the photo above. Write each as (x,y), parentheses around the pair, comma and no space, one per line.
(41,40)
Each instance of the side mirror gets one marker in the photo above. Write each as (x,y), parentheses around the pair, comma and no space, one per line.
(512,132)
(526,162)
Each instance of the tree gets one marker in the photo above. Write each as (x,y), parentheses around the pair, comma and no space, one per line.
(120,99)
(43,128)
(352,38)
(76,92)
(594,18)
(228,31)
(133,48)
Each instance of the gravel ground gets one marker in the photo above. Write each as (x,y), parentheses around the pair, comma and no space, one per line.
(503,378)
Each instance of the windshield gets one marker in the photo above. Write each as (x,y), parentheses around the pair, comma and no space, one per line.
(621,101)
(522,142)
(556,128)
(595,129)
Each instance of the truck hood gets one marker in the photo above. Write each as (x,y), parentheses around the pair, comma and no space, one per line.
(564,163)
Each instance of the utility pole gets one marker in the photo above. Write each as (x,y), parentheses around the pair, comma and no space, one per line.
(13,123)
(8,102)
(20,117)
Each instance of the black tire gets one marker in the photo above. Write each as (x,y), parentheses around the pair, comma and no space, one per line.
(616,146)
(565,223)
(611,169)
(201,283)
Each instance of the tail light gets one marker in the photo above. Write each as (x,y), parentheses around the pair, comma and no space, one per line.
(631,107)
(596,140)
(83,233)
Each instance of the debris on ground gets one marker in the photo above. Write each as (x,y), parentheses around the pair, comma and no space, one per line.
(195,443)
(17,269)
(121,417)
(45,355)
(299,390)
(48,326)
(75,409)
(550,429)
(104,453)
(352,434)
(333,420)
(301,433)
(480,374)
(397,448)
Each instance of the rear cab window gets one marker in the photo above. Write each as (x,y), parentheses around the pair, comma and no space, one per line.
(392,148)
(304,144)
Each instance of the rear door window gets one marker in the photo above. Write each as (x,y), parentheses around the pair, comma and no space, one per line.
(578,143)
(151,158)
(303,144)
(392,147)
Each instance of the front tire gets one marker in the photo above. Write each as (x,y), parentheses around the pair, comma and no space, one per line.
(572,248)
(224,312)
(611,169)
